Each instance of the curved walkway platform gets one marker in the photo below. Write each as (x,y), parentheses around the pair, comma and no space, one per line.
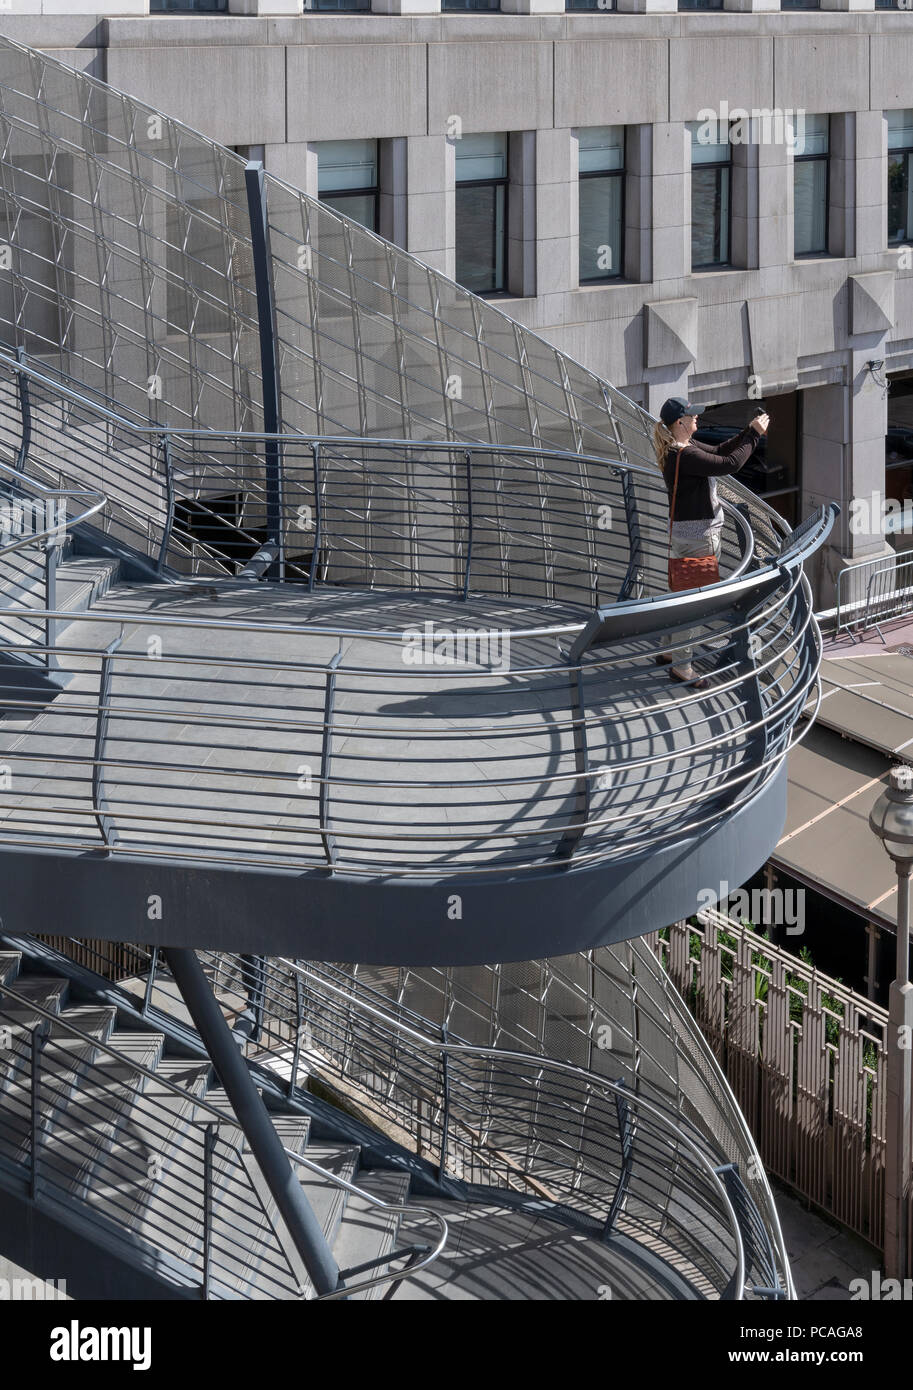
(256,753)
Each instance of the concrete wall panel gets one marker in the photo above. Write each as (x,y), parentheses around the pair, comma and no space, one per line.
(490,86)
(232,94)
(826,73)
(611,82)
(382,87)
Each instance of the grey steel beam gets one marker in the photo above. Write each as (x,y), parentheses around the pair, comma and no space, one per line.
(253,1117)
(269,359)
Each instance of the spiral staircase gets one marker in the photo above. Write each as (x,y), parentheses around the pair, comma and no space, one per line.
(335,638)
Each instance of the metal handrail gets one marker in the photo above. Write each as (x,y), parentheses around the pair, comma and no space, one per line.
(214,1116)
(787,707)
(535,1064)
(848,615)
(169,436)
(278,993)
(538,1064)
(392,1209)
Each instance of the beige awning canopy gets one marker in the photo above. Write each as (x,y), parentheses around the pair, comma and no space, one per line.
(864,727)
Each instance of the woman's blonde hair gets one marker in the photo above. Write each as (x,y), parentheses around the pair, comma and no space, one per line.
(663,441)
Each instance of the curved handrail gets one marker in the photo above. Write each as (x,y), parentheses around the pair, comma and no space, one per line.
(392,1209)
(215,1116)
(24,484)
(538,1064)
(618,466)
(789,673)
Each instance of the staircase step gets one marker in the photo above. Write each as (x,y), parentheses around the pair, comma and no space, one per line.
(61,1072)
(21,1018)
(122,1147)
(367,1232)
(9,967)
(46,991)
(83,579)
(327,1200)
(145,1049)
(96,1019)
(252,1254)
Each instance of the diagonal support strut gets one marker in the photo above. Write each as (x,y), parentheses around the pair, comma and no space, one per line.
(253,1117)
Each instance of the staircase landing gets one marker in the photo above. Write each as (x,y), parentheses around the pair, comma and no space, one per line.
(421,811)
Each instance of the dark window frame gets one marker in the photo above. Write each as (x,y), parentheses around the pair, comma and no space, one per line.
(368,191)
(502,182)
(718,164)
(608,174)
(810,159)
(905,152)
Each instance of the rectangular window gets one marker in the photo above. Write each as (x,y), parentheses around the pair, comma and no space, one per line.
(810,185)
(572,5)
(700,4)
(601,198)
(347,179)
(900,186)
(481,213)
(711,190)
(188,6)
(470,5)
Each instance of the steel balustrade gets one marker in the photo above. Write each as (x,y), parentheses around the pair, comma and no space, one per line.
(281,814)
(501,1118)
(28,563)
(72,1119)
(385,511)
(887,593)
(365,1042)
(766,668)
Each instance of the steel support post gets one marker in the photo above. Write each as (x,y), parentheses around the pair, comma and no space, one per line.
(899,1139)
(253,1117)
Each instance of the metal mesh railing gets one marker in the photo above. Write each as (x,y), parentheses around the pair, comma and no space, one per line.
(592,1146)
(132,269)
(139,1155)
(463,1062)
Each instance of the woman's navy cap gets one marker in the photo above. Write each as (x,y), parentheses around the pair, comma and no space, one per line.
(675,407)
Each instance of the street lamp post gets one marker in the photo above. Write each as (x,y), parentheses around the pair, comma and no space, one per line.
(892,821)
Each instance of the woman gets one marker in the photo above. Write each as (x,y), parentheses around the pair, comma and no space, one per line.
(690,470)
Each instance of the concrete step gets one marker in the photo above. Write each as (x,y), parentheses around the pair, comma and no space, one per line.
(122,1146)
(367,1232)
(145,1049)
(21,1019)
(83,579)
(62,1060)
(327,1200)
(9,968)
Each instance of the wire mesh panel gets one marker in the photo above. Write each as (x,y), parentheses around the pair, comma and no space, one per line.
(130,267)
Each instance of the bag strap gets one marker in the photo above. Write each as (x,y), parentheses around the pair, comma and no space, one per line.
(678,455)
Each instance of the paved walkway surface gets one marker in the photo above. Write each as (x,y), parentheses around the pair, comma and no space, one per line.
(824,1257)
(215,740)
